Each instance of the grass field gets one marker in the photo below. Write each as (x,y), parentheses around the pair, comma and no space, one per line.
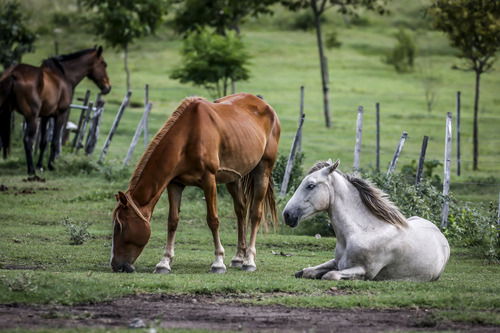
(38,265)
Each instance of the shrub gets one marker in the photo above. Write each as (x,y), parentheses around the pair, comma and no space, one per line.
(304,20)
(402,56)
(77,231)
(332,41)
(22,282)
(295,176)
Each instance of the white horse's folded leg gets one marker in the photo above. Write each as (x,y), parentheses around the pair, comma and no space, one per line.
(353,273)
(318,271)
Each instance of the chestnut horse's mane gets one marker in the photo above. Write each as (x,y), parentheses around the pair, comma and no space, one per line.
(158,137)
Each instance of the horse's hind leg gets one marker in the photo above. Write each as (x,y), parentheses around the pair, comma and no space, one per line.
(174,200)
(352,273)
(56,139)
(239,209)
(210,189)
(29,136)
(43,142)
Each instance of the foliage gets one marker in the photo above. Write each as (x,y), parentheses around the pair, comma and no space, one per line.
(332,40)
(212,61)
(20,283)
(409,172)
(77,231)
(15,37)
(469,226)
(402,56)
(304,20)
(221,15)
(296,174)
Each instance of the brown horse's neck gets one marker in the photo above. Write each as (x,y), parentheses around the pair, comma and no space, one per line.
(75,70)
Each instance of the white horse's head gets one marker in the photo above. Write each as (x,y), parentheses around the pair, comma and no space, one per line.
(312,196)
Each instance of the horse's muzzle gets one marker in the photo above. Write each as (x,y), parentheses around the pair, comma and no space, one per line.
(106,90)
(291,218)
(122,268)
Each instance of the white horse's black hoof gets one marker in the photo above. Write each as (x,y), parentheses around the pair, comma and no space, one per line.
(218,270)
(299,274)
(236,263)
(162,270)
(248,268)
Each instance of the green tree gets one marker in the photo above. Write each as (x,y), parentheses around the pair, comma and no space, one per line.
(319,7)
(121,22)
(15,38)
(473,27)
(222,15)
(212,61)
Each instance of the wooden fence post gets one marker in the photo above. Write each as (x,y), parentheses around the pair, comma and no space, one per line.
(377,143)
(447,166)
(94,127)
(86,120)
(359,137)
(326,91)
(301,113)
(458,134)
(146,122)
(80,121)
(498,216)
(291,158)
(118,116)
(137,133)
(421,160)
(399,148)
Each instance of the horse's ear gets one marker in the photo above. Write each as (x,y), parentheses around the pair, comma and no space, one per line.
(121,198)
(334,166)
(99,51)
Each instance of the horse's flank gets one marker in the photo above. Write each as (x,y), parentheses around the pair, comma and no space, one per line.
(375,200)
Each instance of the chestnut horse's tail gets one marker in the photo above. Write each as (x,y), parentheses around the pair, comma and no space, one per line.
(6,84)
(269,204)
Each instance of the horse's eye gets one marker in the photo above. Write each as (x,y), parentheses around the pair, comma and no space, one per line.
(311,186)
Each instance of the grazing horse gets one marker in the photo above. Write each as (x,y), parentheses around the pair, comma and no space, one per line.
(374,240)
(46,92)
(232,141)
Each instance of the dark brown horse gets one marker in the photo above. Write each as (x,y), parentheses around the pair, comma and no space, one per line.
(232,141)
(46,92)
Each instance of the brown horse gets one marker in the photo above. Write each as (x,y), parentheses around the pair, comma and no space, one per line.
(232,141)
(46,92)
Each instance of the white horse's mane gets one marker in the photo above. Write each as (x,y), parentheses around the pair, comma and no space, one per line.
(376,200)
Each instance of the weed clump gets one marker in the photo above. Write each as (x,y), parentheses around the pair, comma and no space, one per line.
(77,231)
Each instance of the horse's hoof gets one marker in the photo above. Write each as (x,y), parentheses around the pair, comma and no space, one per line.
(236,263)
(248,268)
(218,270)
(162,270)
(51,168)
(299,274)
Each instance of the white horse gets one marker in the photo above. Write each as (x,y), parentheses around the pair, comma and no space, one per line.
(374,240)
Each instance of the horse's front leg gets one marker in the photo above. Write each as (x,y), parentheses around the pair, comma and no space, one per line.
(352,273)
(239,209)
(56,139)
(210,189)
(29,137)
(174,200)
(317,272)
(43,142)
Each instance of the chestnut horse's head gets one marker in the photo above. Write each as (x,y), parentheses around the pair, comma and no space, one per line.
(131,231)
(98,72)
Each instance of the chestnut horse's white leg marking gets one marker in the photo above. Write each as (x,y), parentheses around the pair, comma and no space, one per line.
(239,206)
(174,197)
(210,190)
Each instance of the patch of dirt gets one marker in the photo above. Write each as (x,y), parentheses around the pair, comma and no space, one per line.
(34,178)
(215,312)
(3,188)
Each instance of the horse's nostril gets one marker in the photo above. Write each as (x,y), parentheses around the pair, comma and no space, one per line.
(286,215)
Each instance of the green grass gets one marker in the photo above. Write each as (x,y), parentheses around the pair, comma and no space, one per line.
(34,238)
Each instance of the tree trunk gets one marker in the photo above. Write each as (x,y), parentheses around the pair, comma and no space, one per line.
(125,63)
(322,61)
(475,142)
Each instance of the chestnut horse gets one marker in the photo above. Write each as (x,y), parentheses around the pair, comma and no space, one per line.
(232,141)
(46,92)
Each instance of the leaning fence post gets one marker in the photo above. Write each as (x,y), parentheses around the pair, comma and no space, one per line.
(421,160)
(86,121)
(447,165)
(80,121)
(146,121)
(377,142)
(137,134)
(94,127)
(291,158)
(301,113)
(458,134)
(114,126)
(498,216)
(399,148)
(359,136)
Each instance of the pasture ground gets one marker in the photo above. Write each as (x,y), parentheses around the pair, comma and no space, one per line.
(48,284)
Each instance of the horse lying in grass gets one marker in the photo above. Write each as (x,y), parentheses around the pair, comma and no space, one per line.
(232,141)
(374,240)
